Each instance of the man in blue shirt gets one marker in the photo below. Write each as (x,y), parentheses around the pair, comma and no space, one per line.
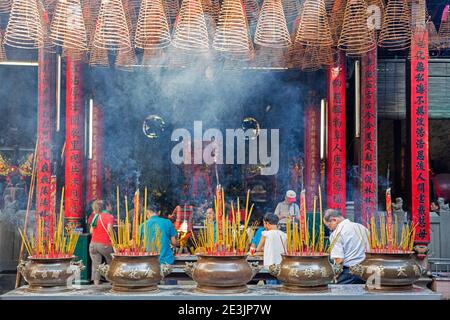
(257,237)
(168,235)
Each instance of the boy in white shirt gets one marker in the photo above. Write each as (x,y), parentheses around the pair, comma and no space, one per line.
(273,241)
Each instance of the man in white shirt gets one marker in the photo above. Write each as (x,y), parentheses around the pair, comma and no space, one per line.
(350,242)
(287,208)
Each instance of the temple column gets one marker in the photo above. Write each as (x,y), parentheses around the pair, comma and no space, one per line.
(74,150)
(368,147)
(336,135)
(45,133)
(417,121)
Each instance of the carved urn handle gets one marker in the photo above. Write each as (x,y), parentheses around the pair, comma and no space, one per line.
(337,269)
(189,268)
(255,268)
(78,265)
(103,269)
(22,266)
(275,269)
(357,270)
(165,269)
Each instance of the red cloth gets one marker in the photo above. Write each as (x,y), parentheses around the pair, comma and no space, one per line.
(99,234)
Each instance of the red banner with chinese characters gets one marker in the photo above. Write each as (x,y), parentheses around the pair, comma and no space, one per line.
(95,164)
(312,152)
(74,152)
(336,161)
(368,167)
(418,117)
(45,127)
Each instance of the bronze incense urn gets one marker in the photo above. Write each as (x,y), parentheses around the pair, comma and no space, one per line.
(225,274)
(45,275)
(388,271)
(140,273)
(300,273)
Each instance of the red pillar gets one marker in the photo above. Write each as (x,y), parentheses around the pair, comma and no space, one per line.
(74,152)
(336,156)
(95,164)
(45,131)
(312,150)
(368,166)
(418,133)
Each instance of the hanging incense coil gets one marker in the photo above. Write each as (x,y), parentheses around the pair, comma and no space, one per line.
(132,17)
(396,28)
(98,57)
(90,9)
(191,33)
(444,33)
(311,58)
(152,29)
(291,9)
(375,10)
(356,38)
(232,34)
(336,19)
(210,20)
(5,6)
(252,12)
(126,59)
(329,5)
(314,29)
(434,41)
(25,29)
(272,30)
(67,27)
(112,31)
(2,48)
(419,13)
(50,5)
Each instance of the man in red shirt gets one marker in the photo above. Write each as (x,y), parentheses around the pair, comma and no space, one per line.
(100,246)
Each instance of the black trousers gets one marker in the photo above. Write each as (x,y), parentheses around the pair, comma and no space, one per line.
(347,278)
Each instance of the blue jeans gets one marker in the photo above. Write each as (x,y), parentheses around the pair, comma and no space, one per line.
(273,281)
(347,278)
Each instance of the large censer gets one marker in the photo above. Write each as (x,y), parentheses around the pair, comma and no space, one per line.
(47,275)
(225,274)
(388,271)
(135,273)
(300,273)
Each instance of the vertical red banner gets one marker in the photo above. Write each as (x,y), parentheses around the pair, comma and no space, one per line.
(45,127)
(74,152)
(368,184)
(418,117)
(95,164)
(336,156)
(312,151)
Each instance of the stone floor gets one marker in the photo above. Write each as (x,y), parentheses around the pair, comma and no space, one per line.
(7,282)
(255,292)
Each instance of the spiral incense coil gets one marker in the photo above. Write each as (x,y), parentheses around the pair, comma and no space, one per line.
(171,8)
(396,28)
(232,34)
(291,9)
(132,17)
(305,57)
(444,33)
(211,22)
(25,29)
(112,30)
(216,4)
(67,28)
(329,5)
(272,30)
(434,41)
(5,6)
(126,59)
(356,38)
(191,33)
(419,13)
(152,29)
(252,12)
(98,57)
(314,29)
(2,48)
(50,5)
(336,19)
